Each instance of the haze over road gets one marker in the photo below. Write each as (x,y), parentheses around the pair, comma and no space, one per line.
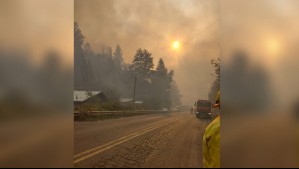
(159,140)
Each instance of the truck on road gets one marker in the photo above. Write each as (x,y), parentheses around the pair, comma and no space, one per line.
(202,109)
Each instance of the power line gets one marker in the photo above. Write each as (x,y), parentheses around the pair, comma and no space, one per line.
(186,42)
(202,31)
(163,49)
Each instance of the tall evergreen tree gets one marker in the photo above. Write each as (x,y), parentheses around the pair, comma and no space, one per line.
(83,73)
(216,84)
(161,84)
(118,58)
(175,94)
(142,64)
(161,69)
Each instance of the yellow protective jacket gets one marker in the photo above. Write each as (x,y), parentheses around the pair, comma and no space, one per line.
(211,145)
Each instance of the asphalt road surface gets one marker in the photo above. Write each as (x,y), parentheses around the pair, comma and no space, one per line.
(161,140)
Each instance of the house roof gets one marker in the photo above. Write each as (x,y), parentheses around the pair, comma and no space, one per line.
(125,100)
(82,95)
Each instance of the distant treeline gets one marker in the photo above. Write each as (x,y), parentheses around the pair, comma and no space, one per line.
(106,71)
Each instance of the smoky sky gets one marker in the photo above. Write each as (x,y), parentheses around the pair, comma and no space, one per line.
(154,25)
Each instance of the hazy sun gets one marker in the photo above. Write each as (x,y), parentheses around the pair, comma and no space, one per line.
(176,45)
(273,46)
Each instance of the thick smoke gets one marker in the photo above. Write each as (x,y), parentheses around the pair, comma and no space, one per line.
(153,25)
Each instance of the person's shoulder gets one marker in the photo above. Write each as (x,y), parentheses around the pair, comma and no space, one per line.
(214,126)
(215,122)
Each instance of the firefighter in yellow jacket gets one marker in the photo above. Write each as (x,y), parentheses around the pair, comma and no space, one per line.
(211,141)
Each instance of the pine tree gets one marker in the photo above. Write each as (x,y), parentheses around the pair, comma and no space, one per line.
(83,73)
(142,64)
(118,58)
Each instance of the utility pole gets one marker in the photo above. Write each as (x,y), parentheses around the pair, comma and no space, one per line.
(134,90)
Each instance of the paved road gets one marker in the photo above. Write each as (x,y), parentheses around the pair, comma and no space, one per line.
(164,140)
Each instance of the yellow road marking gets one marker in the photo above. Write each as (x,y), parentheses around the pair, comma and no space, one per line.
(94,151)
